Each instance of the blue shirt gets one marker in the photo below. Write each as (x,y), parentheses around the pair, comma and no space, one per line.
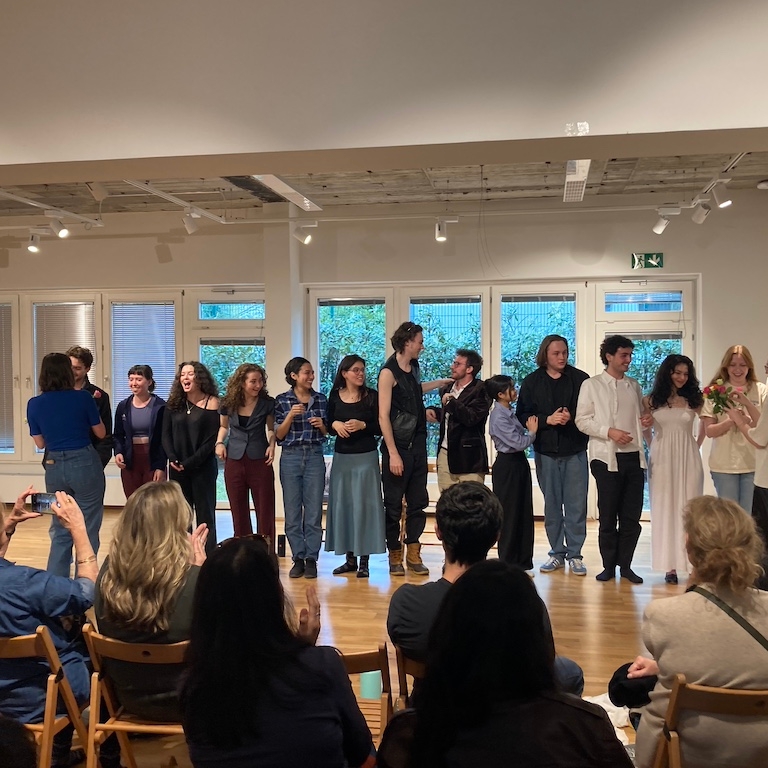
(31,597)
(301,432)
(64,418)
(507,433)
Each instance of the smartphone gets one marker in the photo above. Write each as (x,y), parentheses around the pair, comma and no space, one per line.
(42,502)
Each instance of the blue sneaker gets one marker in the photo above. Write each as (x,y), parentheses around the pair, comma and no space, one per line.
(577,566)
(552,565)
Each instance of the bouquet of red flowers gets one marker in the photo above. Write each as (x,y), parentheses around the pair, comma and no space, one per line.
(720,395)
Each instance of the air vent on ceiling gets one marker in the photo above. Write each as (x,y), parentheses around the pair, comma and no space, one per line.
(576,173)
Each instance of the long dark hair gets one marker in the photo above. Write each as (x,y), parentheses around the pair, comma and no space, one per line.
(56,373)
(339,381)
(242,641)
(205,381)
(488,645)
(662,385)
(235,396)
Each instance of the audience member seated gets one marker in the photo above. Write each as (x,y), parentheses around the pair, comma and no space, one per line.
(490,696)
(144,593)
(258,692)
(31,597)
(467,522)
(692,635)
(17,745)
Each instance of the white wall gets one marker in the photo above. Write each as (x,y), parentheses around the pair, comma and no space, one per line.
(89,80)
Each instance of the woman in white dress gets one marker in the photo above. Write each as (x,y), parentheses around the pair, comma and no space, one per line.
(676,474)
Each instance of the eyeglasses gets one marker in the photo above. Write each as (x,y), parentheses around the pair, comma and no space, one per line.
(356,370)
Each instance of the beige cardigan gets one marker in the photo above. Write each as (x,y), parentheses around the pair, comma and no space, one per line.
(689,634)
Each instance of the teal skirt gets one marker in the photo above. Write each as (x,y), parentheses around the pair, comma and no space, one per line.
(355,518)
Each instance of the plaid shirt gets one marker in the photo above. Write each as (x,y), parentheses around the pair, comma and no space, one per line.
(301,432)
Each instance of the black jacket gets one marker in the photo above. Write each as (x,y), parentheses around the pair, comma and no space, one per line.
(536,399)
(104,446)
(467,452)
(124,433)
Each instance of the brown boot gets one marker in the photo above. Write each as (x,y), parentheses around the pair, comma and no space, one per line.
(396,562)
(413,560)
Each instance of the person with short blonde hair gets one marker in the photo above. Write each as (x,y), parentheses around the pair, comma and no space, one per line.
(145,588)
(693,634)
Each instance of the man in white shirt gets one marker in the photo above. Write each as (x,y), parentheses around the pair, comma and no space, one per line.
(610,410)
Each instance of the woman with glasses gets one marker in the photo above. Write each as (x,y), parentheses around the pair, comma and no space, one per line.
(355,517)
(144,592)
(258,691)
(248,424)
(301,418)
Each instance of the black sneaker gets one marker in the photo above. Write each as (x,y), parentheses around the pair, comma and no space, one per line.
(310,569)
(298,569)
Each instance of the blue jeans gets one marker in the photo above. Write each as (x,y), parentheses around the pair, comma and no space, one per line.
(739,488)
(80,474)
(569,675)
(302,475)
(564,482)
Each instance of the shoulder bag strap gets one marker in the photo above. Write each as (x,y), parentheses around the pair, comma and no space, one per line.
(738,618)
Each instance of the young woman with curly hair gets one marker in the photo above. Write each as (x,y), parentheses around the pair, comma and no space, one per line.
(246,443)
(675,470)
(190,427)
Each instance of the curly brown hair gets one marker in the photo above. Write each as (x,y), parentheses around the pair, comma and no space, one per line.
(723,544)
(205,381)
(234,397)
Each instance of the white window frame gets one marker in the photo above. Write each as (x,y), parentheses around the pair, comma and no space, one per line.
(19,421)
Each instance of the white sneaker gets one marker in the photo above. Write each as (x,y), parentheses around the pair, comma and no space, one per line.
(577,566)
(552,565)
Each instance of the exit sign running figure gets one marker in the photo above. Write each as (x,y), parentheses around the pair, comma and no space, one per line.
(647,261)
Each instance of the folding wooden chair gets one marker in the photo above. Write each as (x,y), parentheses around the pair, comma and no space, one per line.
(376,712)
(703,698)
(405,667)
(119,721)
(40,645)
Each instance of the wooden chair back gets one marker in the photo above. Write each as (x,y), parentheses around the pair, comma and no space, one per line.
(708,700)
(406,666)
(119,721)
(377,713)
(40,645)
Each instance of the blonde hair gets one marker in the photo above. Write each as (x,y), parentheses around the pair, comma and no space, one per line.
(148,559)
(736,349)
(724,546)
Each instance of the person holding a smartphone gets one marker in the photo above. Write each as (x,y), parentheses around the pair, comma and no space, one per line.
(61,421)
(32,597)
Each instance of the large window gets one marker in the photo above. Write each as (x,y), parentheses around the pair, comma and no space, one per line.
(222,356)
(450,323)
(525,320)
(346,327)
(143,333)
(57,326)
(6,381)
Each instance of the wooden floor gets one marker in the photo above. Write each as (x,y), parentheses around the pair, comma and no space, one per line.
(597,624)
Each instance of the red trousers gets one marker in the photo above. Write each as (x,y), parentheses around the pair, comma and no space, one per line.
(140,472)
(258,477)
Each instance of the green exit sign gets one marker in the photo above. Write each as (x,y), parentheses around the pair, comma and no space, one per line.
(647,261)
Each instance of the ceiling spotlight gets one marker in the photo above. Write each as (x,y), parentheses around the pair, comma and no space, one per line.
(189,223)
(34,244)
(700,212)
(441,231)
(660,225)
(762,184)
(298,231)
(58,228)
(721,195)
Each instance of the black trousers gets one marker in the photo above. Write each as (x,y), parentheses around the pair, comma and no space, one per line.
(412,485)
(511,477)
(199,488)
(620,503)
